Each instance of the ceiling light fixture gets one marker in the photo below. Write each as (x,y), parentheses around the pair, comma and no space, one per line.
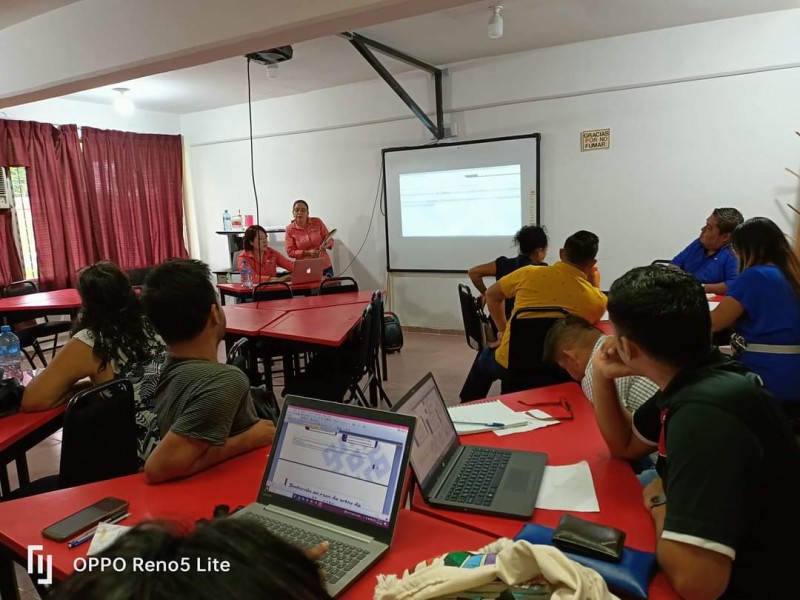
(122,104)
(495,23)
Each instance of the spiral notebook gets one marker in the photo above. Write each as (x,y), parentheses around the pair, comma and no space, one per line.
(482,416)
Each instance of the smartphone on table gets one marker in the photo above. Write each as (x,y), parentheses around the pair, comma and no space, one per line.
(103,510)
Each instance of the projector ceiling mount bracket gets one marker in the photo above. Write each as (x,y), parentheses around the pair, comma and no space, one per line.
(365,46)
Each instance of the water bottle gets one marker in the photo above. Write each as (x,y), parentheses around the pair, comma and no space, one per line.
(9,354)
(247,274)
(226,221)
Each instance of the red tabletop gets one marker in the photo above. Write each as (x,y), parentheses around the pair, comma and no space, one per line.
(416,538)
(15,427)
(237,289)
(57,299)
(244,321)
(234,483)
(306,302)
(619,493)
(327,326)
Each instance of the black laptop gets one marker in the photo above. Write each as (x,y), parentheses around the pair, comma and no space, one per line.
(335,473)
(471,478)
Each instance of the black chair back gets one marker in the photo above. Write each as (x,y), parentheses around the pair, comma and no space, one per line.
(272,290)
(663,262)
(526,369)
(99,438)
(138,276)
(471,315)
(337,285)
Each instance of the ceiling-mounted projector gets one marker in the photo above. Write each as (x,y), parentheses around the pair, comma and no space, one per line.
(272,56)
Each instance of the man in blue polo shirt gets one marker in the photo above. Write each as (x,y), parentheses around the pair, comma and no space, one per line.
(709,257)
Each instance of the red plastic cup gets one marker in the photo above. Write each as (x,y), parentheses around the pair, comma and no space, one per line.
(248,221)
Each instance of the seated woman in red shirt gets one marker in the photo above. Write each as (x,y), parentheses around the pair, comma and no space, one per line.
(263,260)
(304,236)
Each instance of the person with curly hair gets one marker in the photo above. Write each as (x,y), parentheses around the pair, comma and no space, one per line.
(111,337)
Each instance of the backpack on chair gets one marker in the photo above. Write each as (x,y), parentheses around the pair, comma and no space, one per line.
(392,333)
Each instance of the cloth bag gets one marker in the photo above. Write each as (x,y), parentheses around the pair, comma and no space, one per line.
(513,563)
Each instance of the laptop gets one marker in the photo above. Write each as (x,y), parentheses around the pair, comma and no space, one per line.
(495,481)
(335,473)
(308,270)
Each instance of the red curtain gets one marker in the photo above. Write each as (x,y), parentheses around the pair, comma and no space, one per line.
(10,262)
(135,188)
(35,146)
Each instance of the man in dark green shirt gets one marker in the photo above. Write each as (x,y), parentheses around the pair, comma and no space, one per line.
(725,506)
(205,412)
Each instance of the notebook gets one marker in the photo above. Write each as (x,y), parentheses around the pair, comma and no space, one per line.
(484,414)
(335,473)
(461,477)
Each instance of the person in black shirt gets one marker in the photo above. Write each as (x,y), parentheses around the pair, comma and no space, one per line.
(532,242)
(725,505)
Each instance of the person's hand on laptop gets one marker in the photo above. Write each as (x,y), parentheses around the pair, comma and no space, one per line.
(318,551)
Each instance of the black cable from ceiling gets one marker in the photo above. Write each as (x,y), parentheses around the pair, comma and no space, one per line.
(252,159)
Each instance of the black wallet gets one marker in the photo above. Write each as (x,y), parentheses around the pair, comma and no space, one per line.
(589,539)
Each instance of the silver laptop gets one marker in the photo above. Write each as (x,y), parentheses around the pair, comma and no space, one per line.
(308,270)
(335,473)
(471,478)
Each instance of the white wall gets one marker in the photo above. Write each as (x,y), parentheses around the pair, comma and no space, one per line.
(86,114)
(700,116)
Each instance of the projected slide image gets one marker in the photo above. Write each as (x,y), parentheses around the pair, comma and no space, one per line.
(482,201)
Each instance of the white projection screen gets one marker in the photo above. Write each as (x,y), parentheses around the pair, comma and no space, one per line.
(455,205)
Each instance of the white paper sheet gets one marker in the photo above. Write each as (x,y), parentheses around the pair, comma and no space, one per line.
(605,317)
(530,423)
(104,536)
(482,413)
(568,487)
(712,305)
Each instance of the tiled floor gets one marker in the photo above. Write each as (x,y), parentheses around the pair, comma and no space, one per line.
(448,357)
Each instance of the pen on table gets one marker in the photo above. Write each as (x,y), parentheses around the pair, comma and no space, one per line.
(82,539)
(479,423)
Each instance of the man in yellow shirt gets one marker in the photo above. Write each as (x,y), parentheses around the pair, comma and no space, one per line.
(570,284)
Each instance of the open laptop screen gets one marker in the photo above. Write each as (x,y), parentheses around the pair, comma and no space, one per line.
(434,434)
(349,466)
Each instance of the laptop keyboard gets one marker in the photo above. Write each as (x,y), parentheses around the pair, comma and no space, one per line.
(479,477)
(338,560)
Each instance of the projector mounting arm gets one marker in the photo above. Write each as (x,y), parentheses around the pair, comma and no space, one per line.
(364,46)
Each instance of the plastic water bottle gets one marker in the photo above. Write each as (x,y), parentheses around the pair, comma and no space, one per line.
(9,354)
(247,274)
(226,221)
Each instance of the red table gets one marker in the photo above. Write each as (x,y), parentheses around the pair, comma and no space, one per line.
(307,302)
(244,321)
(619,493)
(57,302)
(325,326)
(235,483)
(237,290)
(21,432)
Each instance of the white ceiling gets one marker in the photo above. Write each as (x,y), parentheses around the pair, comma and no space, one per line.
(442,38)
(16,11)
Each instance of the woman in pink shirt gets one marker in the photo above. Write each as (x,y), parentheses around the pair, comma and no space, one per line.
(260,257)
(304,237)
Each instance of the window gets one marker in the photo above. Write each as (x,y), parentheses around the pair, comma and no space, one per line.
(23,223)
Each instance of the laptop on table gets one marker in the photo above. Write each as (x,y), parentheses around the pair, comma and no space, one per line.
(308,270)
(335,473)
(471,478)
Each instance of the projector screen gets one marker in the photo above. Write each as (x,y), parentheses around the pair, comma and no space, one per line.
(451,206)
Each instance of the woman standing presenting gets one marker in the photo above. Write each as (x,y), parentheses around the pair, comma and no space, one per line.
(261,258)
(304,236)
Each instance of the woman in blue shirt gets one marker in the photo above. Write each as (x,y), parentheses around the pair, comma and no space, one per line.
(532,243)
(763,306)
